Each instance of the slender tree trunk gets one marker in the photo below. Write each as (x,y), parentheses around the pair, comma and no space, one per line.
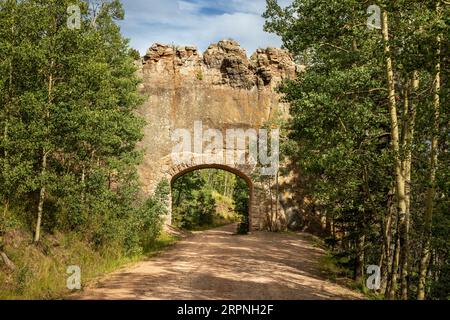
(387,236)
(225,192)
(5,207)
(37,233)
(406,139)
(83,184)
(431,192)
(9,264)
(42,191)
(359,262)
(277,197)
(392,289)
(178,201)
(395,143)
(408,143)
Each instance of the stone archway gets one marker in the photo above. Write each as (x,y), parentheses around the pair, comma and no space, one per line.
(243,172)
(222,88)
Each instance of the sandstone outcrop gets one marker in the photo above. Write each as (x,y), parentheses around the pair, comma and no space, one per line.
(222,88)
(224,63)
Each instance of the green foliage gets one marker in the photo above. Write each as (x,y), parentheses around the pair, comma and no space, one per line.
(151,215)
(134,54)
(339,132)
(69,128)
(194,205)
(205,198)
(41,270)
(241,199)
(335,266)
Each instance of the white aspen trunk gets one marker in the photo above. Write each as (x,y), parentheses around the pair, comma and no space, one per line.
(431,192)
(408,142)
(395,144)
(37,233)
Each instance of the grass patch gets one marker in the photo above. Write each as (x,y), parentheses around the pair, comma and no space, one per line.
(336,269)
(164,241)
(41,270)
(333,267)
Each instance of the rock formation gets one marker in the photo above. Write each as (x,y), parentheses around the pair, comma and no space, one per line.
(222,88)
(224,63)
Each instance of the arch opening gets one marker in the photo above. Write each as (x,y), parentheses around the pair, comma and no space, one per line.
(208,196)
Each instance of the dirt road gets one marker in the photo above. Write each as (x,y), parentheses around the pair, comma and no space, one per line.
(219,265)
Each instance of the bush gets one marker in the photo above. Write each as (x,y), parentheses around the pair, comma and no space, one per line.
(128,225)
(244,225)
(152,215)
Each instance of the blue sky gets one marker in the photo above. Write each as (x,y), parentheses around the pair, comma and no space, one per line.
(196,22)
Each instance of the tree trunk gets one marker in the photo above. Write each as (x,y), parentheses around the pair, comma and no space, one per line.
(395,143)
(410,113)
(359,261)
(5,207)
(40,210)
(277,197)
(431,192)
(83,184)
(7,262)
(37,233)
(387,236)
(392,289)
(225,192)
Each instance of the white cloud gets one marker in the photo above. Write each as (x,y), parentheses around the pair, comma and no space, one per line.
(199,22)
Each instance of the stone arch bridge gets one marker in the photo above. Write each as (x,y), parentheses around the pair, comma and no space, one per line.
(221,88)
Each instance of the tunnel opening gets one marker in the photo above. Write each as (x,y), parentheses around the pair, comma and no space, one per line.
(206,197)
